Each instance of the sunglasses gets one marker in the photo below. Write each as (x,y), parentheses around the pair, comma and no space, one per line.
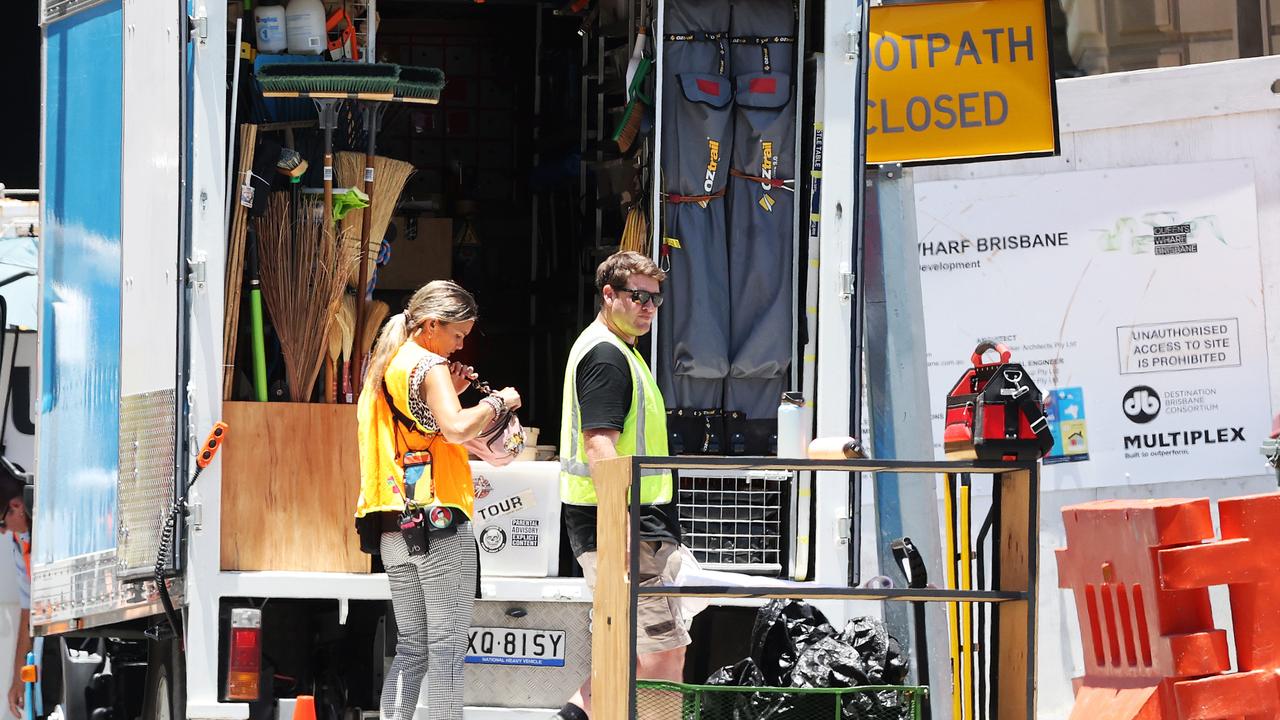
(641,297)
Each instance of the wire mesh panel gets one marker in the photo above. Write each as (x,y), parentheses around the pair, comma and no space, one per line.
(736,521)
(672,701)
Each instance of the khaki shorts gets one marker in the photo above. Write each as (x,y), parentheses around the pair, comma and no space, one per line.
(659,620)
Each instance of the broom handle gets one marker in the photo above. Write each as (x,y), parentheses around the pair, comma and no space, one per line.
(256,322)
(366,223)
(328,178)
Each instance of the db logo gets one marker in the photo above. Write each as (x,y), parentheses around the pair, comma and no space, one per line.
(1141,404)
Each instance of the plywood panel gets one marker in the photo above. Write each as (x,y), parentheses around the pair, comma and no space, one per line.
(610,648)
(290,479)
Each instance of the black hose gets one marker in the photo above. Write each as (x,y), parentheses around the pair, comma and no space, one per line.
(167,537)
(168,540)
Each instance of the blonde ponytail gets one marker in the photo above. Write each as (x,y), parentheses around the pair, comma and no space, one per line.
(393,335)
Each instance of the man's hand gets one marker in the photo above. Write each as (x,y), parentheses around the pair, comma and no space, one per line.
(17,697)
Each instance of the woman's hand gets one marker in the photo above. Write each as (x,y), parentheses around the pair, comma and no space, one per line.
(510,398)
(462,376)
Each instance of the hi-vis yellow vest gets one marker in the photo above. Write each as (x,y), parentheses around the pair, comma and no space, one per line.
(644,432)
(384,441)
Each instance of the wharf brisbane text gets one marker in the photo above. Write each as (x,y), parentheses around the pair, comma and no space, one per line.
(964,108)
(993,243)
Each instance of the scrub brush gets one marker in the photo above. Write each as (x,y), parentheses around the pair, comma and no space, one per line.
(637,107)
(342,77)
(420,82)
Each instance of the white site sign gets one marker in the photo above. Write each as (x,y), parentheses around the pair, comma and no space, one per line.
(1134,298)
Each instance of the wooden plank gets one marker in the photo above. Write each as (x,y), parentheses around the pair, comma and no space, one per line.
(1018,544)
(376,97)
(365,97)
(290,479)
(610,649)
(235,259)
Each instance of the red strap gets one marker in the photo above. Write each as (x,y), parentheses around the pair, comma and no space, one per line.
(771,182)
(677,199)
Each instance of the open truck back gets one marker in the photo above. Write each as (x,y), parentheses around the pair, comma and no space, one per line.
(136,158)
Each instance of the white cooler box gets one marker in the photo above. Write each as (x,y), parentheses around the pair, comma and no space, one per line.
(517,518)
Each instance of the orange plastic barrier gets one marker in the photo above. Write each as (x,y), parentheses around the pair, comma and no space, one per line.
(1140,571)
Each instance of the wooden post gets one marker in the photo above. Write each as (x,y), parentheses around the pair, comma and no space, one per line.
(610,650)
(1019,528)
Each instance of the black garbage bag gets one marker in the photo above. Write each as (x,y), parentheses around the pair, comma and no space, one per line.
(783,630)
(743,673)
(882,659)
(829,663)
(879,705)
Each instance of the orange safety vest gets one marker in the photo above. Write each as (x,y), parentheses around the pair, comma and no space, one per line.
(384,440)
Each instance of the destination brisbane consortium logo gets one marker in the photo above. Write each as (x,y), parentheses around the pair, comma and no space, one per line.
(1142,404)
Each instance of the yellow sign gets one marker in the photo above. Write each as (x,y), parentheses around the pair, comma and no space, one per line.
(960,80)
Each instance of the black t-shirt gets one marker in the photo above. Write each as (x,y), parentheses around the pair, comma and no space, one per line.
(604,398)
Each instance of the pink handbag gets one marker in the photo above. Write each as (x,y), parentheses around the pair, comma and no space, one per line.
(501,440)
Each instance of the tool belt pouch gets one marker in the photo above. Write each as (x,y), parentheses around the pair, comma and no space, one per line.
(420,525)
(413,528)
(995,412)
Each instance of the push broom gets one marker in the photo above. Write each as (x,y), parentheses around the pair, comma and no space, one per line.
(413,83)
(328,84)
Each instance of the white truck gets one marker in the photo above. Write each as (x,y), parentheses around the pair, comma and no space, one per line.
(268,592)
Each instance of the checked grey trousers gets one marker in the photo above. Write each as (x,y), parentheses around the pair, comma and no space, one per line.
(432,596)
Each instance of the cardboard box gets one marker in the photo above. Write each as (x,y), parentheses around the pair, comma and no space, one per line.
(422,252)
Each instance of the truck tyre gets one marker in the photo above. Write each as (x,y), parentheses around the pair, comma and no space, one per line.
(166,692)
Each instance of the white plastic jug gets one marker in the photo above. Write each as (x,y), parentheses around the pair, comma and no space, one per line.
(304,27)
(269,28)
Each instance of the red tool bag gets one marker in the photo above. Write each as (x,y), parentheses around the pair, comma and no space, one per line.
(996,412)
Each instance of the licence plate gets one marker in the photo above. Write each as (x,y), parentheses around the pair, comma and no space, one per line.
(516,646)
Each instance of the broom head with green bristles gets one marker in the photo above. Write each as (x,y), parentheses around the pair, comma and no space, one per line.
(420,82)
(329,77)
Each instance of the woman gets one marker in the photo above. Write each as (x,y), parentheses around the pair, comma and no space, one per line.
(411,429)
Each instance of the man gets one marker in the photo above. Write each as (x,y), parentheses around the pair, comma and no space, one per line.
(612,407)
(16,522)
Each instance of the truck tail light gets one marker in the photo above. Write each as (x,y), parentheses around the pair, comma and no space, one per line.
(244,657)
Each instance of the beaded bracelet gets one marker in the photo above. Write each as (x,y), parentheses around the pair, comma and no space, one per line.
(495,402)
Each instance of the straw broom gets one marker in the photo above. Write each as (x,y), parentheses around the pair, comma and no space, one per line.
(392,176)
(303,276)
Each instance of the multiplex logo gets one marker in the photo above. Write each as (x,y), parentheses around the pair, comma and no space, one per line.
(713,164)
(1141,404)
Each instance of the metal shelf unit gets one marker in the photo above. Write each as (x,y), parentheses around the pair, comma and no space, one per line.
(1013,599)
